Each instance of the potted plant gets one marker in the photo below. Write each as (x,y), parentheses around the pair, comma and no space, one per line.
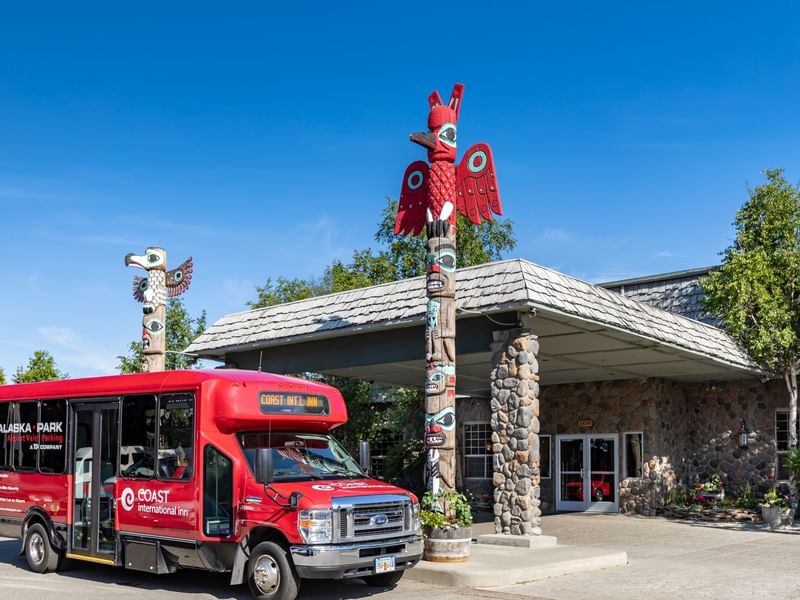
(775,508)
(446,519)
(711,491)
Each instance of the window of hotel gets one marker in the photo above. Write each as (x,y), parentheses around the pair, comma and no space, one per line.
(632,455)
(380,448)
(544,456)
(477,451)
(781,444)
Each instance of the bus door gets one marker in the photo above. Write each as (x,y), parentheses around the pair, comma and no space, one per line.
(95,451)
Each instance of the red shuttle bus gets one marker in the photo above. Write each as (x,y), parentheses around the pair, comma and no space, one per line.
(230,471)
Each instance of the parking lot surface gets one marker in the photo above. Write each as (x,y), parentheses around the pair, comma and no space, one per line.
(667,560)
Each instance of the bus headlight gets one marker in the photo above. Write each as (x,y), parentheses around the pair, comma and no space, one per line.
(316,526)
(415,513)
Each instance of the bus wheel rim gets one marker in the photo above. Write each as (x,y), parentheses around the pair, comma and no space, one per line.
(266,574)
(36,548)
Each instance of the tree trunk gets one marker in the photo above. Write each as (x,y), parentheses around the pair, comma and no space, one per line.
(790,376)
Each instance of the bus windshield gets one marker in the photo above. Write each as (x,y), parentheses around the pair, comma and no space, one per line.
(301,456)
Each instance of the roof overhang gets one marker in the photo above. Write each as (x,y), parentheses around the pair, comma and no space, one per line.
(571,350)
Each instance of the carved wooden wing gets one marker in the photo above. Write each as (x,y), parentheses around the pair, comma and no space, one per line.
(178,279)
(411,211)
(476,182)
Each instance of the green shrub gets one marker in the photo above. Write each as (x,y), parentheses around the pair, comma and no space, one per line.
(448,508)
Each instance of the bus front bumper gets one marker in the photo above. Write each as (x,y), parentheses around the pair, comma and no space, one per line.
(338,561)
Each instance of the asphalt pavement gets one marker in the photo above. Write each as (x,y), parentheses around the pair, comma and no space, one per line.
(668,560)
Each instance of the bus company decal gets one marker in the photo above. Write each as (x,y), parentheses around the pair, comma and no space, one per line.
(350,485)
(430,197)
(42,436)
(149,501)
(152,292)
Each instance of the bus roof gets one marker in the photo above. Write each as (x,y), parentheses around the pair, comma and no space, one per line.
(151,383)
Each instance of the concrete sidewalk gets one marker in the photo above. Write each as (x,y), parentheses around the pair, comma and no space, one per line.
(670,559)
(505,565)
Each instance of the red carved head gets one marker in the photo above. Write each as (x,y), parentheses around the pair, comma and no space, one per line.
(440,139)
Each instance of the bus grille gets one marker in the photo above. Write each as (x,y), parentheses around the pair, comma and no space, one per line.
(369,518)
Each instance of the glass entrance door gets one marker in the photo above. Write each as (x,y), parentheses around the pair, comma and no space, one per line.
(95,468)
(588,472)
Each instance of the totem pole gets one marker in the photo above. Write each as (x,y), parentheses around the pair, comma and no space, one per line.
(152,292)
(429,198)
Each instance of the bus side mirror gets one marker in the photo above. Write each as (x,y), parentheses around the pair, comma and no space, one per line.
(364,456)
(264,465)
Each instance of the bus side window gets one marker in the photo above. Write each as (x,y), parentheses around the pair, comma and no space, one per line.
(24,443)
(217,493)
(5,449)
(53,417)
(137,450)
(176,436)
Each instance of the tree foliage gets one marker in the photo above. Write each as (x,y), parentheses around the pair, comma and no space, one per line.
(756,292)
(41,367)
(2,376)
(181,329)
(402,257)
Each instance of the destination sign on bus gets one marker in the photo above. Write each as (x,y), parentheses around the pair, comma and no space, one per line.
(293,403)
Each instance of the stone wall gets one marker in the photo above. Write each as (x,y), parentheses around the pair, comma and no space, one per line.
(690,432)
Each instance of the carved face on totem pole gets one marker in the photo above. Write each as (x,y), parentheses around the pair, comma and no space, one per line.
(440,428)
(441,268)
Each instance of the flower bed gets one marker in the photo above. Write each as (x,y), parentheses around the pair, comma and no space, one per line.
(707,513)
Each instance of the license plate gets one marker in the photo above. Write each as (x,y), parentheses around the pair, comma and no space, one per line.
(384,564)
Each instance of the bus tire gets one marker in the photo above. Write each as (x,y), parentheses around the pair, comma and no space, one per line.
(39,552)
(270,574)
(384,580)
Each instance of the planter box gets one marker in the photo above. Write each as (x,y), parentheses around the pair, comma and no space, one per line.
(449,544)
(777,516)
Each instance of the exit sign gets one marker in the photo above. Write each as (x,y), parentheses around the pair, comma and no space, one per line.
(585,423)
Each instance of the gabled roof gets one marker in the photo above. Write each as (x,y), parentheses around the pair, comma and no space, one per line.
(678,292)
(493,287)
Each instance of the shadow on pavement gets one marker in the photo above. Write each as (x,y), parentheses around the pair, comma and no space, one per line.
(184,581)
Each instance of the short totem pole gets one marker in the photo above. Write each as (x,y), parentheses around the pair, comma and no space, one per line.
(152,292)
(429,199)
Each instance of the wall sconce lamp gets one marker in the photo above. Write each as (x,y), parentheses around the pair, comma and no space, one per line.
(743,435)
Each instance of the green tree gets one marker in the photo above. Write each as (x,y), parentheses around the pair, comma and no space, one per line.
(2,376)
(181,329)
(41,367)
(402,257)
(284,290)
(756,292)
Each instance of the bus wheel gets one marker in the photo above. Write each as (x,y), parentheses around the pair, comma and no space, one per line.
(40,555)
(384,580)
(269,573)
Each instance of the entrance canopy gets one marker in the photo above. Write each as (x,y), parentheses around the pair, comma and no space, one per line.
(586,333)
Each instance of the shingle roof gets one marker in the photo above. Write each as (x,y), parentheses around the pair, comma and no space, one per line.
(678,292)
(485,288)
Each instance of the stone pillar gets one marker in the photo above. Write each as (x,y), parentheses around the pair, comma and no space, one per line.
(515,432)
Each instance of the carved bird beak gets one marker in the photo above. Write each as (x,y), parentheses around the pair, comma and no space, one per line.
(423,138)
(132,260)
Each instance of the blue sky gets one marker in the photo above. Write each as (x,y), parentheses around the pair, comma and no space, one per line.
(263,140)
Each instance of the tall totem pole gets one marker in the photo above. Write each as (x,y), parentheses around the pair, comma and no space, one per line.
(152,292)
(429,199)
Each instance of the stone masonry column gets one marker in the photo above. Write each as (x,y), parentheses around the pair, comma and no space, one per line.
(515,432)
